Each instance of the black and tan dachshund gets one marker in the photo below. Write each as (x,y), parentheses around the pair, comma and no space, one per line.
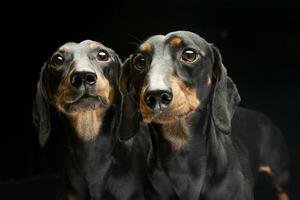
(208,147)
(80,80)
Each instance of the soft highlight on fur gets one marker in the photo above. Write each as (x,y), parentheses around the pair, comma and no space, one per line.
(87,123)
(177,133)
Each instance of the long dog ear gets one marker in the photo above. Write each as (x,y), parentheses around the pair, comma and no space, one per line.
(124,80)
(40,111)
(129,116)
(225,96)
(116,70)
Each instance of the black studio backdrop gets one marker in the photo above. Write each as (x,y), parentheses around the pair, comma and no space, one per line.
(259,41)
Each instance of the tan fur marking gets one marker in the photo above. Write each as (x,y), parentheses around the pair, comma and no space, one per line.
(146,47)
(184,95)
(64,92)
(64,48)
(283,196)
(94,45)
(265,169)
(87,123)
(104,88)
(176,41)
(177,133)
(71,197)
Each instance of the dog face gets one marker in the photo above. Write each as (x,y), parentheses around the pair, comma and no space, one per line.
(172,75)
(77,78)
(80,76)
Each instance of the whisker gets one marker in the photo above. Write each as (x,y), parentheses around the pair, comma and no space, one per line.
(134,43)
(135,37)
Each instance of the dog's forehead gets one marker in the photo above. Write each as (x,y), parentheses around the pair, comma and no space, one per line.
(152,44)
(156,40)
(188,38)
(178,37)
(84,47)
(185,34)
(67,47)
(90,44)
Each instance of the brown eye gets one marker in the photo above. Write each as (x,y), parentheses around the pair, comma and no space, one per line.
(57,60)
(139,63)
(189,55)
(102,55)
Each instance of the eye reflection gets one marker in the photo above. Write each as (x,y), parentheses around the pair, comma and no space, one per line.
(57,60)
(189,55)
(103,55)
(139,63)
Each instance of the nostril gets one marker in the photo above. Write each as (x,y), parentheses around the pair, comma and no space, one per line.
(91,78)
(150,100)
(76,80)
(166,98)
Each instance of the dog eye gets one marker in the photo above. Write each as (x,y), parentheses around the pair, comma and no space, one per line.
(139,63)
(102,55)
(189,55)
(57,60)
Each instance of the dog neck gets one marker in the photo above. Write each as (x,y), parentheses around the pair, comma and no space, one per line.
(190,141)
(87,124)
(197,127)
(176,133)
(179,132)
(179,147)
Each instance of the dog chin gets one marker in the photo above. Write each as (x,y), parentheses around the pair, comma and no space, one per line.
(164,118)
(85,104)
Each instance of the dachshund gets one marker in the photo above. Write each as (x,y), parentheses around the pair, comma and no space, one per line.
(103,160)
(205,145)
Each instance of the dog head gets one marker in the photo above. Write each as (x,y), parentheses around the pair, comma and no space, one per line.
(77,78)
(173,75)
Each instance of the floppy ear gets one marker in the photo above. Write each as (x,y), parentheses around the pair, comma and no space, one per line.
(225,96)
(40,111)
(116,71)
(129,115)
(124,80)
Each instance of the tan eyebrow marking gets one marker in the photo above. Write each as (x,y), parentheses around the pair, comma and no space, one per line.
(64,48)
(94,45)
(176,41)
(146,47)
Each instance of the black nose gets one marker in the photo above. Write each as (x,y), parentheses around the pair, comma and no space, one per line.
(159,98)
(86,78)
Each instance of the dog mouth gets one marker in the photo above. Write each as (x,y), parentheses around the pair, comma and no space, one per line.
(164,116)
(86,102)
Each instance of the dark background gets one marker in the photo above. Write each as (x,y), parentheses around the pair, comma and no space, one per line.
(259,41)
